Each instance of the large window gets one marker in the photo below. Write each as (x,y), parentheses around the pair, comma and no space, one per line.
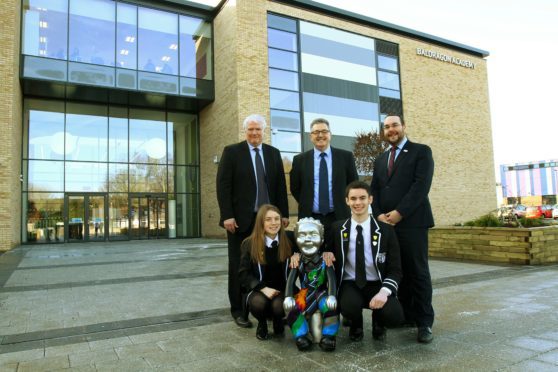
(45,28)
(284,86)
(86,148)
(112,44)
(92,31)
(319,71)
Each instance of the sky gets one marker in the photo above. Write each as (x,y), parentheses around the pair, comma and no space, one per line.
(522,39)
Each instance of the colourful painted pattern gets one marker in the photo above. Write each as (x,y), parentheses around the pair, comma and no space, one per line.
(529,179)
(312,297)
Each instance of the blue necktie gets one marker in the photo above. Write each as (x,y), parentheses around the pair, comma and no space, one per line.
(323,197)
(263,197)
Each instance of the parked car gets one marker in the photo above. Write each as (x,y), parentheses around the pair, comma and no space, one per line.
(547,210)
(555,211)
(520,210)
(534,212)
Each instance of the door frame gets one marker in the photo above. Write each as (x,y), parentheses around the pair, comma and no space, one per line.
(86,212)
(148,196)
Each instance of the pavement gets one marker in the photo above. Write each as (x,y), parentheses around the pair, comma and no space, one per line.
(162,305)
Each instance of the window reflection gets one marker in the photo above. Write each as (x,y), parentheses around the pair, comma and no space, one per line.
(286,141)
(148,178)
(388,80)
(44,216)
(118,216)
(283,79)
(108,33)
(387,63)
(158,41)
(148,137)
(281,99)
(118,177)
(86,177)
(86,132)
(92,31)
(195,48)
(118,134)
(186,179)
(285,120)
(45,24)
(283,59)
(182,139)
(281,39)
(126,36)
(187,215)
(46,130)
(91,127)
(45,175)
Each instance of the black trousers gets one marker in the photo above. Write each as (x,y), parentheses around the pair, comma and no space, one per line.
(353,299)
(415,289)
(238,307)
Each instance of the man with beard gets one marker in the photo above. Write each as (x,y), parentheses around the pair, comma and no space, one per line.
(400,186)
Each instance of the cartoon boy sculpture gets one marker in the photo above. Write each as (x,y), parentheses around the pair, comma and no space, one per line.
(315,303)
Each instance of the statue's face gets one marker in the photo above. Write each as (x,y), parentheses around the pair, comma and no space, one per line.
(308,239)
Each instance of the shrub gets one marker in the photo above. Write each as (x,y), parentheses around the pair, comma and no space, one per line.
(531,222)
(488,220)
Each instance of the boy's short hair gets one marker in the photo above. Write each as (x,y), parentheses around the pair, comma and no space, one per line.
(357,185)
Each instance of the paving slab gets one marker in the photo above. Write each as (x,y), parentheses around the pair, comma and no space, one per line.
(162,305)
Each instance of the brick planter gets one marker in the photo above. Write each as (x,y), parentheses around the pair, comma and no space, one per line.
(531,246)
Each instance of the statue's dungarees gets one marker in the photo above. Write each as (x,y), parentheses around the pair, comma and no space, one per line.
(312,297)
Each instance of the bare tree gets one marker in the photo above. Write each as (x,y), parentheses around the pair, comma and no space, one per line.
(368,146)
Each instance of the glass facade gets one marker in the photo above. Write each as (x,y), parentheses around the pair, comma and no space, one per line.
(112,44)
(89,166)
(284,87)
(319,71)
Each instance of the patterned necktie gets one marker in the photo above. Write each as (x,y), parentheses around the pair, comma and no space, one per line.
(360,263)
(391,159)
(323,196)
(263,197)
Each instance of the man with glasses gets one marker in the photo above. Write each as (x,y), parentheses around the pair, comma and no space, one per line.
(319,176)
(400,186)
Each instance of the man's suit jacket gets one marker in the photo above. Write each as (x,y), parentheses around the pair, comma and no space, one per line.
(385,253)
(406,190)
(237,188)
(302,181)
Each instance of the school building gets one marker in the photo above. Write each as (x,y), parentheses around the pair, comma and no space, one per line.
(114,113)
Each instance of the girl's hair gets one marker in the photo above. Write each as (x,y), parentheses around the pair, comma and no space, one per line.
(257,238)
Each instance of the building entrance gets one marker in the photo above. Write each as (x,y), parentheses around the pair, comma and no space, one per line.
(148,216)
(86,217)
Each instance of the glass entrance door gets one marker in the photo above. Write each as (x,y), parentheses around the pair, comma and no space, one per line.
(85,217)
(148,214)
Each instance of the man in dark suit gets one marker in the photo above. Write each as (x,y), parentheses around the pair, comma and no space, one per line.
(367,266)
(250,174)
(400,186)
(319,199)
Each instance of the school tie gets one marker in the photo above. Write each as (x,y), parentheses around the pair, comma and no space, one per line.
(263,197)
(391,159)
(360,264)
(323,196)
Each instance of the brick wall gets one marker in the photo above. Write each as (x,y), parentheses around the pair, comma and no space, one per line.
(10,122)
(534,246)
